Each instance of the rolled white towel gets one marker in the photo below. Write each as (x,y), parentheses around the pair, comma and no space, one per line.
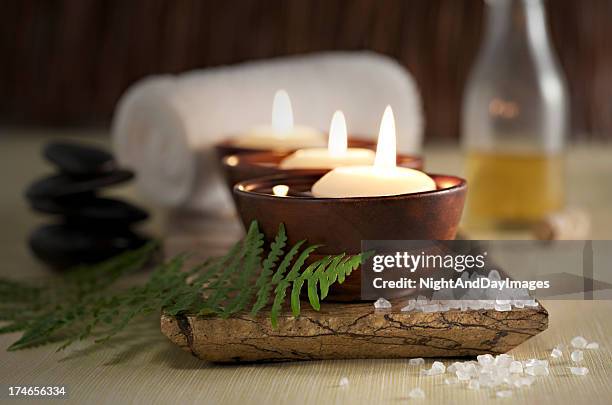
(165,126)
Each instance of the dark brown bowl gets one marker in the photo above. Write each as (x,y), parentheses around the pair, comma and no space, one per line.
(237,168)
(340,224)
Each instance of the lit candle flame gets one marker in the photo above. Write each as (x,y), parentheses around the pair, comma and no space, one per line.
(280,190)
(282,113)
(386,148)
(337,142)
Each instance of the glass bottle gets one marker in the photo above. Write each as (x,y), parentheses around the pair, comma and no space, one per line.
(514,120)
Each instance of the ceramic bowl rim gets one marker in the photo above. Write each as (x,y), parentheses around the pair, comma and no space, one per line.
(240,189)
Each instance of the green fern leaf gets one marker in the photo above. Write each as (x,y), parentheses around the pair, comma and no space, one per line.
(281,287)
(297,289)
(263,283)
(251,265)
(327,278)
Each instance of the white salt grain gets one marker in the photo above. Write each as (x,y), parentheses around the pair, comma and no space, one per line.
(503,360)
(579,370)
(503,307)
(516,367)
(421,300)
(416,393)
(535,362)
(485,359)
(494,275)
(577,356)
(439,367)
(451,380)
(579,342)
(537,370)
(592,346)
(430,308)
(382,303)
(502,301)
(344,382)
(462,375)
(527,381)
(416,362)
(410,307)
(556,353)
(474,385)
(503,394)
(454,367)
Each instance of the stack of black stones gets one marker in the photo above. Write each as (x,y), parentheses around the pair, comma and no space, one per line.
(88,228)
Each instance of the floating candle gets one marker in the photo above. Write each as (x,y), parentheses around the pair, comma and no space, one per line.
(335,155)
(283,134)
(381,179)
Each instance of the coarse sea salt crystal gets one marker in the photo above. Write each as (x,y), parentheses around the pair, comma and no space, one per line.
(485,359)
(592,346)
(503,394)
(503,360)
(577,356)
(502,301)
(430,308)
(451,380)
(486,380)
(462,375)
(556,353)
(410,307)
(503,307)
(579,370)
(494,275)
(382,303)
(416,362)
(439,367)
(416,393)
(474,385)
(454,367)
(516,367)
(344,382)
(537,370)
(579,342)
(535,362)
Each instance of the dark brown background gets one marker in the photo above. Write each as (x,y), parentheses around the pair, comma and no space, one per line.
(66,62)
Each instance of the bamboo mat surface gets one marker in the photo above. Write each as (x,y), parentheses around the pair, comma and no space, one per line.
(142,367)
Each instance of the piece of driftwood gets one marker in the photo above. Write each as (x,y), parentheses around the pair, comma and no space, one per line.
(353,331)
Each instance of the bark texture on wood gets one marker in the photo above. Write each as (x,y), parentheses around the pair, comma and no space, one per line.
(350,331)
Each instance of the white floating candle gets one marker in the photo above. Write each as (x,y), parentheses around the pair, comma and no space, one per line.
(283,134)
(335,155)
(381,179)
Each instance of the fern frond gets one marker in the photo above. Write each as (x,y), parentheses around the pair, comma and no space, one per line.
(281,288)
(80,306)
(263,283)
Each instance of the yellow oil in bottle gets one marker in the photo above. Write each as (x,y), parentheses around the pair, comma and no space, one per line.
(512,190)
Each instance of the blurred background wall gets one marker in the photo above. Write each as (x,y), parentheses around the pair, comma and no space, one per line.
(66,62)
